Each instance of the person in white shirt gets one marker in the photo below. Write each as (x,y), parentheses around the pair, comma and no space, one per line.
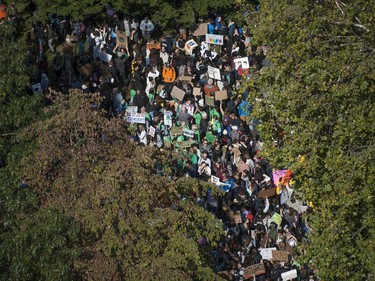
(147,27)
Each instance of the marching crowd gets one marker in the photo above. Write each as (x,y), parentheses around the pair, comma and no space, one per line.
(184,92)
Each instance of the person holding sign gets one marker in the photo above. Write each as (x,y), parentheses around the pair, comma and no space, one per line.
(210,88)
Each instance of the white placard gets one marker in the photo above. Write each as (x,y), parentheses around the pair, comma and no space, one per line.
(136,118)
(188,133)
(167,120)
(289,275)
(242,63)
(213,73)
(215,180)
(132,109)
(214,39)
(266,253)
(151,131)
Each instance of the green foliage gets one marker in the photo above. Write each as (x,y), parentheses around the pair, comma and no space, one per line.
(131,222)
(317,102)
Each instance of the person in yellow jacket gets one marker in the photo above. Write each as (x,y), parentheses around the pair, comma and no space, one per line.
(169,76)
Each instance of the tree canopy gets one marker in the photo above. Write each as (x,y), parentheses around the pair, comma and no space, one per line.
(316,102)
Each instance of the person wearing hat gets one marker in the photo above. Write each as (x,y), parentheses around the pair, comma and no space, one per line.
(210,88)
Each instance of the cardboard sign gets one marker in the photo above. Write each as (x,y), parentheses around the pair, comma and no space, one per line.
(121,39)
(85,69)
(201,29)
(184,78)
(197,91)
(277,175)
(214,39)
(242,63)
(136,118)
(178,93)
(280,256)
(221,95)
(151,46)
(210,101)
(266,253)
(188,133)
(237,217)
(151,131)
(132,109)
(176,131)
(289,275)
(256,269)
(185,144)
(267,193)
(214,73)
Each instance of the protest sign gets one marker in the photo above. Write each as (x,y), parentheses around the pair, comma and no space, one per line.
(151,131)
(132,109)
(215,180)
(178,93)
(176,131)
(210,101)
(277,175)
(266,253)
(184,78)
(280,256)
(276,218)
(121,39)
(189,46)
(136,118)
(267,193)
(188,133)
(102,55)
(167,120)
(214,39)
(241,63)
(213,73)
(196,91)
(256,269)
(201,29)
(221,95)
(289,275)
(185,144)
(151,46)
(85,69)
(237,217)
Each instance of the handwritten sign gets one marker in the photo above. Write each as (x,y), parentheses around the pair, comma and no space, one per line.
(214,39)
(280,256)
(266,253)
(196,91)
(256,269)
(151,46)
(185,144)
(188,133)
(132,109)
(213,73)
(289,275)
(210,101)
(151,131)
(176,131)
(215,180)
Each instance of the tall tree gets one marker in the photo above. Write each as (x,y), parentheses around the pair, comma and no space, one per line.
(317,117)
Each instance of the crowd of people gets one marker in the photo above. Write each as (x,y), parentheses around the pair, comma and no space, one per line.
(183,92)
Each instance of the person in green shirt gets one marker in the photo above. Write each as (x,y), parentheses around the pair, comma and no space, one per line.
(197,118)
(133,92)
(214,112)
(210,137)
(192,155)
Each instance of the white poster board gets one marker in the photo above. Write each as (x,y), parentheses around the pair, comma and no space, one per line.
(188,133)
(136,118)
(151,131)
(266,253)
(214,39)
(289,275)
(242,63)
(132,109)
(213,73)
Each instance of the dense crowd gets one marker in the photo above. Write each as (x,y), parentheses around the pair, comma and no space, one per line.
(184,93)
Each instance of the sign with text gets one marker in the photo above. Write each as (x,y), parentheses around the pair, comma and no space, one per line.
(151,46)
(214,39)
(215,180)
(277,175)
(196,91)
(188,133)
(185,144)
(151,131)
(176,131)
(213,73)
(280,256)
(210,101)
(136,118)
(266,253)
(256,269)
(289,275)
(242,63)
